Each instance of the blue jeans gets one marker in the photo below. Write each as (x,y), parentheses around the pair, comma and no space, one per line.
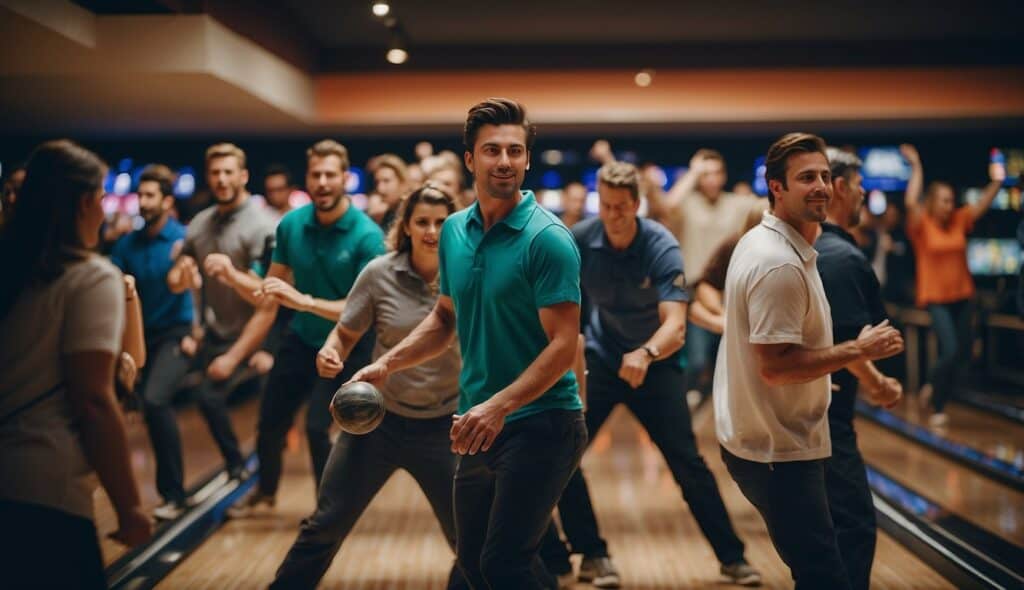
(701,346)
(951,323)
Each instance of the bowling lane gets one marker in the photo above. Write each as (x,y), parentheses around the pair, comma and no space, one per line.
(972,496)
(398,545)
(201,459)
(991,434)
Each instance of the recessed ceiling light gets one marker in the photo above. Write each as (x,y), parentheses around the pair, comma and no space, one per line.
(381,8)
(644,78)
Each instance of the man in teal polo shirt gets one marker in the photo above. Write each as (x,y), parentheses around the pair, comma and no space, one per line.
(320,249)
(510,289)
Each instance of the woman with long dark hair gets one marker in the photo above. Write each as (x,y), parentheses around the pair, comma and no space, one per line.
(62,315)
(391,296)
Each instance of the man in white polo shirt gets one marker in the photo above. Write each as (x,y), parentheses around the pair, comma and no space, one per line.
(772,386)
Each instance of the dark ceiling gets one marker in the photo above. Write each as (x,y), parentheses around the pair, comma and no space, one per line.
(332,36)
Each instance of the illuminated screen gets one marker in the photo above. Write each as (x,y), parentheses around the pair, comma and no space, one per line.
(884,169)
(993,256)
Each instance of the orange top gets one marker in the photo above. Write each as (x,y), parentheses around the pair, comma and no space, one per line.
(941,255)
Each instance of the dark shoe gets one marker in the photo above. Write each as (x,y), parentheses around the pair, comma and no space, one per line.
(741,573)
(600,572)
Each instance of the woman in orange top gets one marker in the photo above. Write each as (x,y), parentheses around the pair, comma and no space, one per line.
(938,232)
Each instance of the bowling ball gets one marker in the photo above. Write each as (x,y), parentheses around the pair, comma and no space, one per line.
(357,407)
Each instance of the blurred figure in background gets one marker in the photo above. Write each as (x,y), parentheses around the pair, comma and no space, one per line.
(944,285)
(390,184)
(148,254)
(574,201)
(60,425)
(278,187)
(12,184)
(445,171)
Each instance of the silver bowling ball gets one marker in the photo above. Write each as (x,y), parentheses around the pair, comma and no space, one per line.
(357,407)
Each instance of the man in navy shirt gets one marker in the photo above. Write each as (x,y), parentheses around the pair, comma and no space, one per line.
(148,255)
(632,277)
(854,297)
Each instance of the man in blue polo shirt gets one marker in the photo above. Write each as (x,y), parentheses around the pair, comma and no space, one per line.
(634,282)
(320,249)
(509,277)
(148,254)
(855,300)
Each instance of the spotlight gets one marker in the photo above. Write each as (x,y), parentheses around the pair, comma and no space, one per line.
(381,8)
(644,78)
(397,56)
(397,52)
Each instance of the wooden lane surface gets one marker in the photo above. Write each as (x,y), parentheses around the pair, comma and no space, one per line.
(997,436)
(398,545)
(201,457)
(963,491)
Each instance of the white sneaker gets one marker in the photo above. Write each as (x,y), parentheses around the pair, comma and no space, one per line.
(250,502)
(600,572)
(168,511)
(938,420)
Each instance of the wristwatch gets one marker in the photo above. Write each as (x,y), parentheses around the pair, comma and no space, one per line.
(652,351)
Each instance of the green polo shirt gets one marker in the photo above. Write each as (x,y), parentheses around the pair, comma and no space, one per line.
(325,260)
(498,281)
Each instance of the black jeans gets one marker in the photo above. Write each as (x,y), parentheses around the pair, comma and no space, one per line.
(951,323)
(849,495)
(292,382)
(357,469)
(48,548)
(212,397)
(504,498)
(791,498)
(660,406)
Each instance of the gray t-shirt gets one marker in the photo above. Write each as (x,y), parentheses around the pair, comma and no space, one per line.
(392,298)
(243,234)
(41,456)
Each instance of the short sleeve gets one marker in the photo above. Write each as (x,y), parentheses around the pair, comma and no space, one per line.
(94,310)
(118,253)
(554,267)
(359,313)
(280,245)
(370,247)
(777,305)
(668,277)
(263,239)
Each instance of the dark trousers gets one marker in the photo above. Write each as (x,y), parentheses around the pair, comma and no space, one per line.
(504,498)
(701,347)
(212,397)
(660,406)
(849,496)
(357,469)
(951,323)
(292,382)
(48,548)
(161,379)
(791,498)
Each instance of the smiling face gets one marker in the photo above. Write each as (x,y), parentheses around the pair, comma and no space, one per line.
(617,210)
(424,227)
(805,195)
(499,160)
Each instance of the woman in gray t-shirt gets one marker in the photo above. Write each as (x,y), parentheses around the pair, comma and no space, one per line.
(392,295)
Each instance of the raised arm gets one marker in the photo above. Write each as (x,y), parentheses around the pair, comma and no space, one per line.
(915,186)
(996,176)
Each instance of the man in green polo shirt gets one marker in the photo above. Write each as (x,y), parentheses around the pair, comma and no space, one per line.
(510,289)
(320,249)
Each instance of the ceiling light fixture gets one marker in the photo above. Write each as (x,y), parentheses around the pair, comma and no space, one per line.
(397,47)
(644,78)
(381,8)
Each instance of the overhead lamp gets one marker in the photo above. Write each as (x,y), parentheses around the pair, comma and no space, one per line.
(381,8)
(397,53)
(644,78)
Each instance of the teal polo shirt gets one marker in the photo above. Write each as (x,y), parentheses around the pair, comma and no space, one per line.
(325,260)
(498,281)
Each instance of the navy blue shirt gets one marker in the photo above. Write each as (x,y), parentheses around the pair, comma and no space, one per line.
(853,294)
(623,288)
(149,260)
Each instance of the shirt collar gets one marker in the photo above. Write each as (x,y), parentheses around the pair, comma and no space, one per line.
(515,220)
(797,241)
(344,223)
(831,228)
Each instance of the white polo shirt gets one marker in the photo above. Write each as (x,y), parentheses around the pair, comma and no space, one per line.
(773,294)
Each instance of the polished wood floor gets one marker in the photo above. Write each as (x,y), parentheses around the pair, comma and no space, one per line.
(398,545)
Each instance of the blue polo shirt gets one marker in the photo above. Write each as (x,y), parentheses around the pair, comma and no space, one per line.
(325,260)
(498,281)
(624,288)
(149,260)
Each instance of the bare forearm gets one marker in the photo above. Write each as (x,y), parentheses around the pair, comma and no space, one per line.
(434,334)
(866,373)
(246,285)
(800,365)
(915,186)
(325,308)
(705,318)
(579,367)
(669,337)
(176,280)
(555,360)
(106,448)
(987,196)
(711,298)
(134,339)
(680,189)
(254,333)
